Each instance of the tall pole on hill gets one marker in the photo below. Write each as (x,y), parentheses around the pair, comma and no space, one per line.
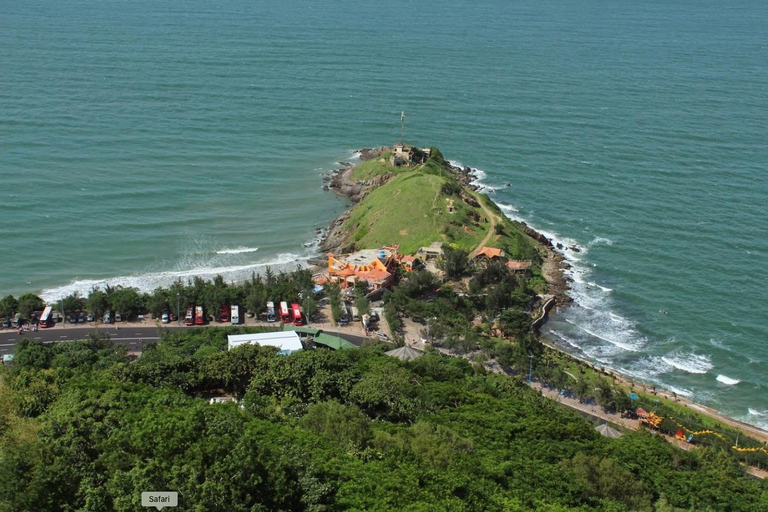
(402,126)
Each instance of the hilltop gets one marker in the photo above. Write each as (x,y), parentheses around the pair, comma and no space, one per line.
(425,202)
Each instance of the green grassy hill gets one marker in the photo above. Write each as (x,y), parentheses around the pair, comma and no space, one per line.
(426,204)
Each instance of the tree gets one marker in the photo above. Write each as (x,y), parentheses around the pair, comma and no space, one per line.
(73,303)
(158,301)
(98,302)
(345,424)
(392,318)
(8,306)
(514,322)
(28,304)
(454,262)
(126,301)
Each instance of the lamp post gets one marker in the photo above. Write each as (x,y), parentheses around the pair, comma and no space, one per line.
(530,368)
(178,308)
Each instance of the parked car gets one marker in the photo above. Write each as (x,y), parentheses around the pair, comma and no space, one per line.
(81,318)
(73,318)
(108,317)
(6,322)
(91,317)
(118,317)
(166,318)
(382,336)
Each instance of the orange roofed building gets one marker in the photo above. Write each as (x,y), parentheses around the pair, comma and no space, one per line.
(376,267)
(491,253)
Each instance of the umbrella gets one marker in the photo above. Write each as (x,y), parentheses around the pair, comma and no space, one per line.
(404,353)
(607,431)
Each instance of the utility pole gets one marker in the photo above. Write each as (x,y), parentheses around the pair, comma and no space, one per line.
(530,368)
(178,308)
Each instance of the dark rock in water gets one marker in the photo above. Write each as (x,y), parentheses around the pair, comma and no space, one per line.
(508,185)
(560,246)
(327,177)
(574,248)
(326,187)
(536,235)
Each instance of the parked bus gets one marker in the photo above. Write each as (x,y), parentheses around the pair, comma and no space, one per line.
(285,313)
(199,315)
(234,316)
(355,314)
(45,319)
(271,312)
(189,318)
(224,314)
(297,317)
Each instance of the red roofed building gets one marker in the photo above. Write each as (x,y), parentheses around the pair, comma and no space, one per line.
(491,253)
(519,266)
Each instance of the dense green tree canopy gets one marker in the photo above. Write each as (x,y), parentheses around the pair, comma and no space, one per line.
(82,427)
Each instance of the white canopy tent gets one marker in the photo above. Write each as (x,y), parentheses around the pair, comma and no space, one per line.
(287,341)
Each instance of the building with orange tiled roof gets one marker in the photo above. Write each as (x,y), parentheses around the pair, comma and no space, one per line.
(491,253)
(373,266)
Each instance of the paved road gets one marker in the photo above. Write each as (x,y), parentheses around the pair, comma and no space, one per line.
(132,335)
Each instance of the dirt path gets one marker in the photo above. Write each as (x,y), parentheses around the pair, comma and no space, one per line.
(491,229)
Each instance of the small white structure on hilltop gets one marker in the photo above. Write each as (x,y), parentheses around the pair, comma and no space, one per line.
(287,341)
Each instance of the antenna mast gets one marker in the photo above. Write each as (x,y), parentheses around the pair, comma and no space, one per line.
(402,126)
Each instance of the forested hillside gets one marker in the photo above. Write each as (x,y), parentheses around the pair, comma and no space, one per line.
(84,428)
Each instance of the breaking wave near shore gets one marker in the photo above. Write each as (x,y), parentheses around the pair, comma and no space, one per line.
(146,282)
(594,328)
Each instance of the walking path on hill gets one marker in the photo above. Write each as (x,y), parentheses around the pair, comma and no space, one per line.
(491,229)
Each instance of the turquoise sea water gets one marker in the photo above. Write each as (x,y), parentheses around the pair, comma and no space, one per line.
(140,141)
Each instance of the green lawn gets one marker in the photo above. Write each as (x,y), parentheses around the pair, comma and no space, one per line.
(375,167)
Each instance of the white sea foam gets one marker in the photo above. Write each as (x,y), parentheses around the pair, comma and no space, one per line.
(239,250)
(609,337)
(682,392)
(601,240)
(605,289)
(689,362)
(151,280)
(727,380)
(755,412)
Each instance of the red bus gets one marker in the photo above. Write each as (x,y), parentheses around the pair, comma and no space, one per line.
(224,314)
(46,320)
(199,317)
(285,313)
(297,319)
(189,318)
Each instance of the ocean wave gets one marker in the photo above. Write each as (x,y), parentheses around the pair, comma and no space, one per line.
(601,240)
(679,391)
(607,336)
(151,280)
(239,250)
(755,412)
(727,380)
(605,289)
(478,177)
(690,363)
